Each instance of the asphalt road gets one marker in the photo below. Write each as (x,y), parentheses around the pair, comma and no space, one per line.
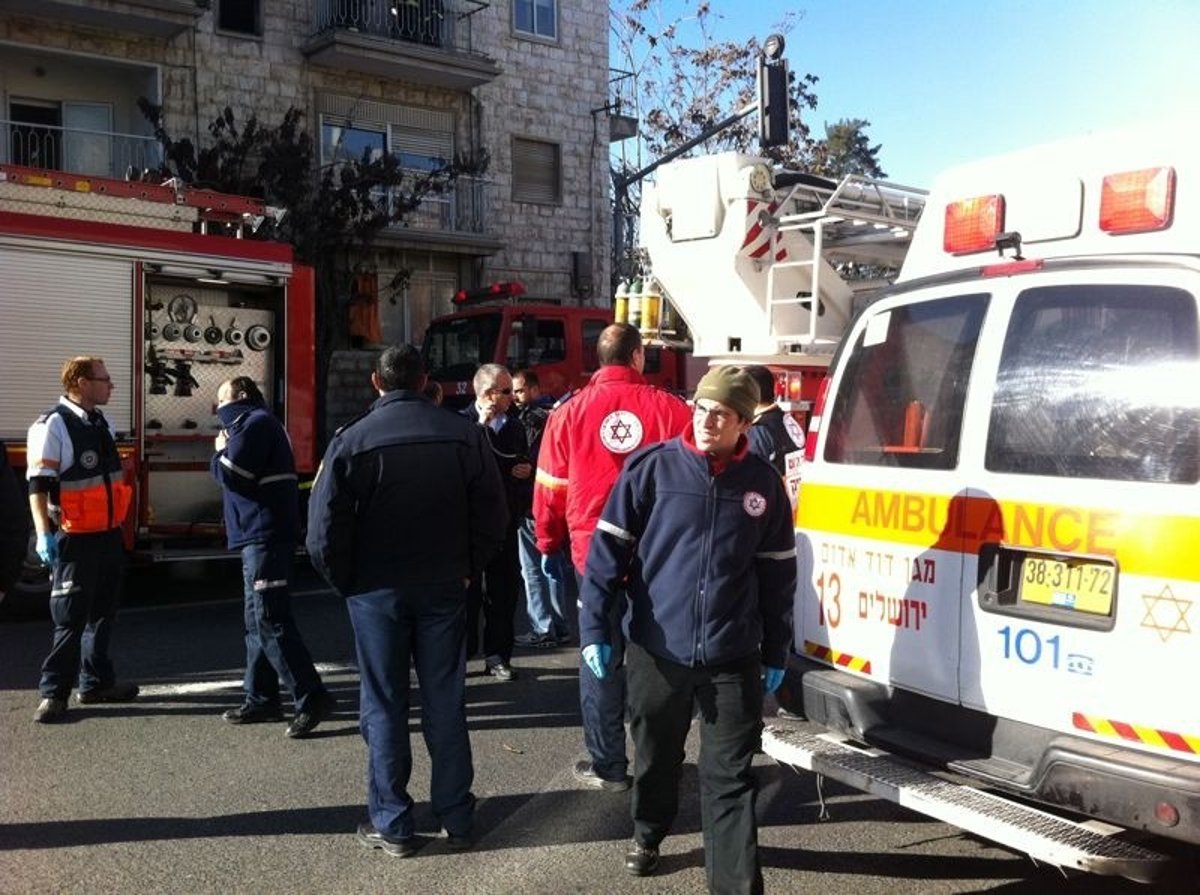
(162,796)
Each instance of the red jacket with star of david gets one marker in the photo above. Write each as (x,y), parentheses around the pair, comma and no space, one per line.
(585,445)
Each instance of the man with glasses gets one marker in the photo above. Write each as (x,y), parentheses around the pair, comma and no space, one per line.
(496,595)
(79,498)
(698,533)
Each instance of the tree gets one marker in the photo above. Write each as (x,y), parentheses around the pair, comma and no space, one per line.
(846,150)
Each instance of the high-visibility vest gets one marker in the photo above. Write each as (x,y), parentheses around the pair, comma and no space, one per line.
(92,493)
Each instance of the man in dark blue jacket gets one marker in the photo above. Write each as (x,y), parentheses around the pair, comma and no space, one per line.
(698,532)
(406,510)
(257,473)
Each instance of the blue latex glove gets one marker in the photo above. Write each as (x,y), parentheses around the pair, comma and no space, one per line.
(552,567)
(47,548)
(596,655)
(772,678)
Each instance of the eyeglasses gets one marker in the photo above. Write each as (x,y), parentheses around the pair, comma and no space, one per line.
(720,414)
(98,378)
(493,392)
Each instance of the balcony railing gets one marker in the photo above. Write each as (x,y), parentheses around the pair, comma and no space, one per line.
(460,209)
(77,150)
(433,23)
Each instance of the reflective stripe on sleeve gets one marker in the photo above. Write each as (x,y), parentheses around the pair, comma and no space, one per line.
(233,467)
(776,554)
(546,480)
(282,477)
(615,531)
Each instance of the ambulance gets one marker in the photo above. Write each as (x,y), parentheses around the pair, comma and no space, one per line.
(998,526)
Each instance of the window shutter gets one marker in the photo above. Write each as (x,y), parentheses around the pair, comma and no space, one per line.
(535,171)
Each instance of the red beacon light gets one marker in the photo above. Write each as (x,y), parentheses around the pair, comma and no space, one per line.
(1137,201)
(491,292)
(972,225)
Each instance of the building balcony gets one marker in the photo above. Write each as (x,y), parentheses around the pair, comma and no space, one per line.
(453,221)
(77,150)
(156,18)
(419,41)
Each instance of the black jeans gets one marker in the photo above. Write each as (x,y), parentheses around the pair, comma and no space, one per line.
(662,696)
(502,578)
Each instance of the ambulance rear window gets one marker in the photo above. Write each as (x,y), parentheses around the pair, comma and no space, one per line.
(900,400)
(1099,382)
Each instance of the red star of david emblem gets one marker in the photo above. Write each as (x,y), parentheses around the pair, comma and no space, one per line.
(620,431)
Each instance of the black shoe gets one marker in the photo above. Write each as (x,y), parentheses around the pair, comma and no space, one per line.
(253,714)
(320,708)
(502,671)
(50,710)
(585,773)
(368,836)
(535,641)
(641,860)
(118,692)
(455,842)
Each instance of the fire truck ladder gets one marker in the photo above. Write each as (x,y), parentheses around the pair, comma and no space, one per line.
(861,220)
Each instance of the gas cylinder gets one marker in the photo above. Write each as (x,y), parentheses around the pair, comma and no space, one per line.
(651,305)
(621,303)
(635,303)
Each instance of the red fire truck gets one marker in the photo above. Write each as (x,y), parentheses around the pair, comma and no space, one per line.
(160,281)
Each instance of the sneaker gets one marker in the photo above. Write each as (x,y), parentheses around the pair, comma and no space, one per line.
(254,714)
(584,773)
(50,710)
(641,860)
(304,723)
(370,837)
(501,671)
(118,692)
(535,641)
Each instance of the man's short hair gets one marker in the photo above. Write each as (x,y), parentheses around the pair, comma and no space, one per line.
(486,375)
(617,344)
(530,377)
(244,385)
(766,382)
(400,367)
(76,367)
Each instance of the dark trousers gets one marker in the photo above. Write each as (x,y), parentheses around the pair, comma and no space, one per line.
(496,598)
(602,706)
(85,586)
(393,629)
(662,696)
(275,650)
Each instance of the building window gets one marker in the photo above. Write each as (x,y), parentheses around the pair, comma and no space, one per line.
(536,17)
(536,171)
(240,16)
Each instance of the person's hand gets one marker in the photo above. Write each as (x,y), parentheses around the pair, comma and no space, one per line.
(522,470)
(596,656)
(552,567)
(772,678)
(47,549)
(219,441)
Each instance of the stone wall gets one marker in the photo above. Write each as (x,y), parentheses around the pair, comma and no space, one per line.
(348,390)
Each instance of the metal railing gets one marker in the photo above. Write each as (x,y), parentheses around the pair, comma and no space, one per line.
(444,24)
(460,209)
(78,150)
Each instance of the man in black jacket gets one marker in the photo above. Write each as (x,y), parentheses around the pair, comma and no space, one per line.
(406,510)
(496,595)
(255,467)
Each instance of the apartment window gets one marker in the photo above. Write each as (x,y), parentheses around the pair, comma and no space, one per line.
(240,16)
(536,17)
(536,171)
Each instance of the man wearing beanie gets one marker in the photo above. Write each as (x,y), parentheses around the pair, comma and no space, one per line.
(698,532)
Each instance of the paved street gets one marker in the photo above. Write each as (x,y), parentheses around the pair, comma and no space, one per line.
(161,796)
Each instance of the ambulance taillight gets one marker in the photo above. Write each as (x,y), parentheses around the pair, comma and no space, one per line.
(814,423)
(972,225)
(1137,201)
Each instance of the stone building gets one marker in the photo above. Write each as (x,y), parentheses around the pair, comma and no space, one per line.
(524,80)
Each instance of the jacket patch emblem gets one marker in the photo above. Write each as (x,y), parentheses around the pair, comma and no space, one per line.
(793,429)
(89,459)
(621,432)
(754,503)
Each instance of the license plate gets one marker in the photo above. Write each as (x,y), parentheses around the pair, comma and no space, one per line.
(1079,585)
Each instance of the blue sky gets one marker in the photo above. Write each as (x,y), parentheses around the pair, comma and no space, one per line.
(947,81)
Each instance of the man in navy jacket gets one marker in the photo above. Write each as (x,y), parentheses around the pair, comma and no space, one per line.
(407,509)
(698,532)
(257,472)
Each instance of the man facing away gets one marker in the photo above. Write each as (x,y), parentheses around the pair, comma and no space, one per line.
(586,442)
(698,533)
(505,436)
(775,436)
(545,597)
(76,486)
(256,470)
(408,508)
